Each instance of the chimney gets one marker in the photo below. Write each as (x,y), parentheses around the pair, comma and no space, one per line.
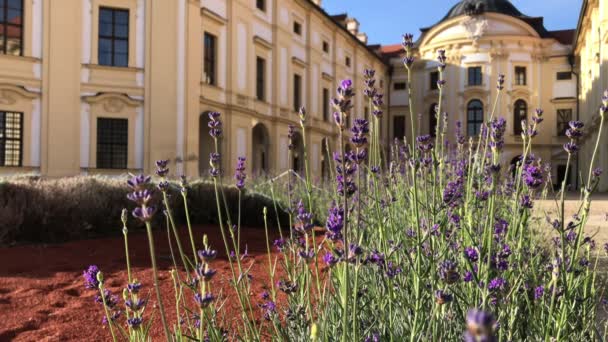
(317,2)
(352,25)
(362,36)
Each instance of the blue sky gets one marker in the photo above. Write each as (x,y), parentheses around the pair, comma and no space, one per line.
(385,20)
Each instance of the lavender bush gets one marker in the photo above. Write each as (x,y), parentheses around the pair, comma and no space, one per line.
(437,241)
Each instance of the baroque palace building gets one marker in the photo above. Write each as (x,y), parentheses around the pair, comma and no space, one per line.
(110,86)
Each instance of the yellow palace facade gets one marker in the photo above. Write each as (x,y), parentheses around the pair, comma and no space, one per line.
(110,86)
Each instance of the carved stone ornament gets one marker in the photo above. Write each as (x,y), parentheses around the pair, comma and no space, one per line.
(475,27)
(6,98)
(113,105)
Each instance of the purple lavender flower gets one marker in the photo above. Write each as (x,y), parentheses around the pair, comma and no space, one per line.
(500,84)
(597,172)
(497,284)
(575,130)
(539,291)
(571,147)
(239,173)
(526,202)
(140,197)
(407,41)
(335,222)
(90,277)
(287,286)
(108,299)
(269,308)
(215,125)
(471,254)
(280,244)
(305,223)
(135,305)
(424,142)
(203,301)
(330,259)
(443,297)
(161,167)
(342,103)
(448,272)
(368,79)
(532,176)
(135,322)
(140,182)
(205,273)
(144,214)
(392,270)
(480,326)
(441,58)
(214,162)
(134,287)
(207,255)
(359,132)
(497,131)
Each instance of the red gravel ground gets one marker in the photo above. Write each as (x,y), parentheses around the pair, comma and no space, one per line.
(42,297)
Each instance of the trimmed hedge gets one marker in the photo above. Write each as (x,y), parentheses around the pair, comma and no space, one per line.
(33,209)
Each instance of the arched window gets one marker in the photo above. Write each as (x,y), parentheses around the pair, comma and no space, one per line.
(520,112)
(433,119)
(474,117)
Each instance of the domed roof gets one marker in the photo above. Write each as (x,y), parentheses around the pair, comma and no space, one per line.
(472,7)
(478,7)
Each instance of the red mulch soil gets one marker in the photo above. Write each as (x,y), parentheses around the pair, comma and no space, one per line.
(42,297)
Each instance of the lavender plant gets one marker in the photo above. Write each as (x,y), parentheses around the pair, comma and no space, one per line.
(436,241)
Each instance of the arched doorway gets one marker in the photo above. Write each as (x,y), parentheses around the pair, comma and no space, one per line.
(325,155)
(433,120)
(297,154)
(520,113)
(474,117)
(205,145)
(260,149)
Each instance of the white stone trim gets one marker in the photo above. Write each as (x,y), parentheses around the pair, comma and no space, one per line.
(85,143)
(35,134)
(139,138)
(140,36)
(37,28)
(181,54)
(87,25)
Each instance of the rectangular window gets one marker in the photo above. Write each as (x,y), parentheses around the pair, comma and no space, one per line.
(366,113)
(325,46)
(112,143)
(564,116)
(475,76)
(520,76)
(399,86)
(11,27)
(297,92)
(113,37)
(399,127)
(260,83)
(11,139)
(434,79)
(564,75)
(297,28)
(347,61)
(325,104)
(210,54)
(261,5)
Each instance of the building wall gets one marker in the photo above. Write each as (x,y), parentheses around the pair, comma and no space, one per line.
(62,90)
(591,50)
(503,43)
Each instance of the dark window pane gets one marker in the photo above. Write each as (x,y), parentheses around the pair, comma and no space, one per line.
(112,143)
(121,60)
(105,29)
(113,37)
(105,16)
(105,46)
(121,31)
(564,75)
(399,127)
(121,47)
(11,138)
(14,17)
(16,4)
(2,11)
(121,17)
(2,38)
(434,80)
